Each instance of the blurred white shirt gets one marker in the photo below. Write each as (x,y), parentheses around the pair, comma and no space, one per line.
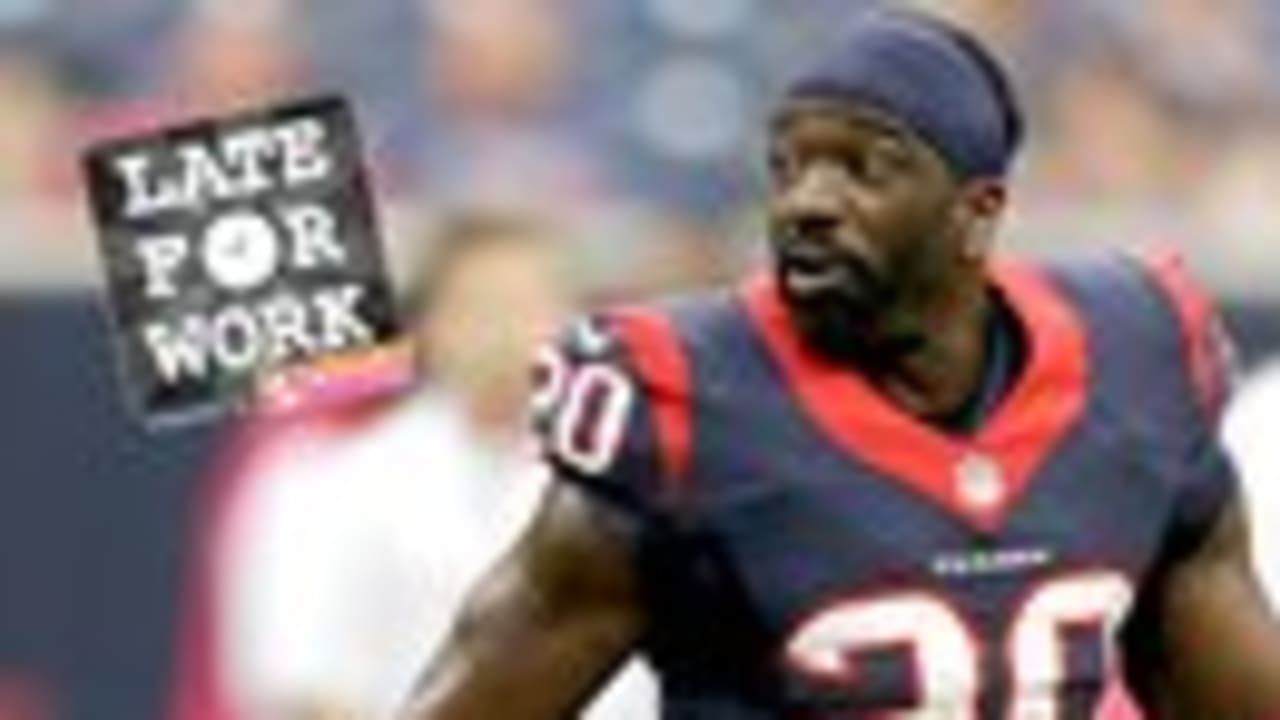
(343,567)
(1251,430)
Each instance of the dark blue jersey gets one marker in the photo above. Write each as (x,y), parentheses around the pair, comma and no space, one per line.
(809,550)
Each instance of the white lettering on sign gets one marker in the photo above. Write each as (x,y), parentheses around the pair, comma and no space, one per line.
(242,250)
(237,165)
(250,335)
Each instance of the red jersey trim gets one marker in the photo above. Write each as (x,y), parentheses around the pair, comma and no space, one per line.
(660,360)
(1039,410)
(1196,318)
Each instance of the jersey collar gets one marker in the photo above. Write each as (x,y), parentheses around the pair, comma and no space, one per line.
(979,477)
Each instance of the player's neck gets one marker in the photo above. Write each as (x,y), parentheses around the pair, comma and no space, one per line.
(943,367)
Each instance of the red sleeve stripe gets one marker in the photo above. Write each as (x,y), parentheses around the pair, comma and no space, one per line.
(659,359)
(1197,317)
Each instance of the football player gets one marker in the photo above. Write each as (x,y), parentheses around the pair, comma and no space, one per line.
(895,476)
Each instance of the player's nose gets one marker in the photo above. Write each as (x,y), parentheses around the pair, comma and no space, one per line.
(814,230)
(812,206)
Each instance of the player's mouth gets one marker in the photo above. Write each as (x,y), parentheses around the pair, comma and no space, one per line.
(810,270)
(805,276)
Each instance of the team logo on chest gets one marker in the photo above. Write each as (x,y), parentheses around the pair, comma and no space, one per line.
(979,482)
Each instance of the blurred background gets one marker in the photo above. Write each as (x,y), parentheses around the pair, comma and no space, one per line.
(530,158)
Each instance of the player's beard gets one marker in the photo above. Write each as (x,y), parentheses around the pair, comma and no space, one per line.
(839,302)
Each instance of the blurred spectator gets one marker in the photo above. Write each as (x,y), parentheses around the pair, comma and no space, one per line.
(689,82)
(111,50)
(33,127)
(38,169)
(1238,213)
(1208,53)
(385,87)
(1108,138)
(234,56)
(1005,26)
(1110,161)
(498,130)
(341,561)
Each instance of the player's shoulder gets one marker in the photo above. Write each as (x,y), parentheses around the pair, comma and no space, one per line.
(612,394)
(1150,286)
(649,341)
(1147,305)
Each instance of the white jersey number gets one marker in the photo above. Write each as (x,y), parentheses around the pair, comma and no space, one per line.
(585,408)
(947,654)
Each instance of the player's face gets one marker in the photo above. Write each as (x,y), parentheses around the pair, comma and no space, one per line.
(862,217)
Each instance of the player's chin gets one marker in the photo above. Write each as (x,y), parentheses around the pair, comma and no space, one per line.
(832,288)
(833,322)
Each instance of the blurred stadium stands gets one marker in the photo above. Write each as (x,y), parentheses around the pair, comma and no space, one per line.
(651,109)
(638,121)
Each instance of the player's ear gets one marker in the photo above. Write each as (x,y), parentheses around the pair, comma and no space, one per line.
(981,203)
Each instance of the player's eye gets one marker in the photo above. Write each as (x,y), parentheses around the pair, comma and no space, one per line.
(857,166)
(877,165)
(782,164)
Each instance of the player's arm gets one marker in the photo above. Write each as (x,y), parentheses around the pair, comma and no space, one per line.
(562,611)
(1219,640)
(1203,642)
(546,627)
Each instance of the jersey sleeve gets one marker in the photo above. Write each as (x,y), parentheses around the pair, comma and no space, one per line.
(1208,356)
(608,409)
(1203,353)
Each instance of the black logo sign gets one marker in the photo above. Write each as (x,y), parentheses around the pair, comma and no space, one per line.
(237,250)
